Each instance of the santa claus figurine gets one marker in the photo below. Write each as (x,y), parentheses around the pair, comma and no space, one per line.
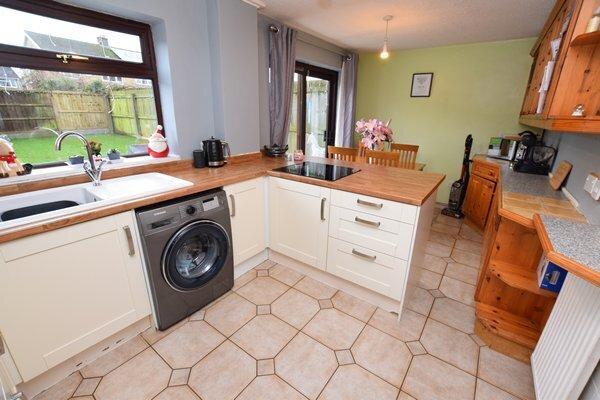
(157,144)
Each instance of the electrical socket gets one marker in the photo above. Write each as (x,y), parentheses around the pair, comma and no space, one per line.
(592,185)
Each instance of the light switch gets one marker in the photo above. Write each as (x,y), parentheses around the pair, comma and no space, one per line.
(592,181)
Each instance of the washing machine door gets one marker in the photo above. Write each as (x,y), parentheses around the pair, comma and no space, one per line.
(194,255)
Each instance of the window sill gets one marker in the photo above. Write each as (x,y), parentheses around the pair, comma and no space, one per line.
(74,170)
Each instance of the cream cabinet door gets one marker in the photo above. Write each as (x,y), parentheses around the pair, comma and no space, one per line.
(299,215)
(65,290)
(247,210)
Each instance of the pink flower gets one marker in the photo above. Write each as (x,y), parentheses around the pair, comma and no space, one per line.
(374,132)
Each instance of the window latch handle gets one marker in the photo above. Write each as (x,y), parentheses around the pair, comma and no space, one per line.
(66,57)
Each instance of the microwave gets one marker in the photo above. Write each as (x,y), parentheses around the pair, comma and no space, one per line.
(502,148)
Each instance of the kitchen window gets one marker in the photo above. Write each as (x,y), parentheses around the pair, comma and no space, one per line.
(65,68)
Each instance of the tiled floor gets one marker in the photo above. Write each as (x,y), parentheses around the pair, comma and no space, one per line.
(280,335)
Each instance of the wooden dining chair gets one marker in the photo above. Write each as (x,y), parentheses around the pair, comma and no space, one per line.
(361,150)
(408,154)
(342,153)
(385,158)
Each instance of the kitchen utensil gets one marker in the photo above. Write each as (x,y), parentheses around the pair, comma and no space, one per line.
(560,174)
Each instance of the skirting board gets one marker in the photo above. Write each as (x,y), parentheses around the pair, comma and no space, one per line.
(75,363)
(250,263)
(362,293)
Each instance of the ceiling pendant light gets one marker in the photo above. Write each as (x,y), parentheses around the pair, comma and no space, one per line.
(384,50)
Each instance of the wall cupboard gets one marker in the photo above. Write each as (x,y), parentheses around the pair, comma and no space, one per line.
(568,76)
(480,192)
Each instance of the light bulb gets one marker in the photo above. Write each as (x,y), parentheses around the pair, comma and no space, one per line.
(384,52)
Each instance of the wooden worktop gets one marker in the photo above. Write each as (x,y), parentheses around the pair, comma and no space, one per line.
(395,184)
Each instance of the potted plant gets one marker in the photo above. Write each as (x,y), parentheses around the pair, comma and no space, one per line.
(113,154)
(76,160)
(375,134)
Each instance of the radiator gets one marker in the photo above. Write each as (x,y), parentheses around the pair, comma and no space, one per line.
(569,347)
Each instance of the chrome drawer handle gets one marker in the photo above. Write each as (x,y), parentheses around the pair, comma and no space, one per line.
(232,198)
(323,200)
(367,222)
(368,203)
(363,255)
(129,240)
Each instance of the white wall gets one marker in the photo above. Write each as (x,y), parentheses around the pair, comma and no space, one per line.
(201,96)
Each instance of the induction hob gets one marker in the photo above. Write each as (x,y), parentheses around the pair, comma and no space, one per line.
(315,170)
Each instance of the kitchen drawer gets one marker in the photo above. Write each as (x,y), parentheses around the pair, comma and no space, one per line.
(380,234)
(373,270)
(485,171)
(372,205)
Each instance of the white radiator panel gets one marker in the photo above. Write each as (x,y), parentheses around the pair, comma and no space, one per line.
(569,347)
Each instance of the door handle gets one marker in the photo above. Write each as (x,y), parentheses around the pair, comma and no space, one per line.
(232,198)
(323,200)
(367,222)
(369,204)
(129,240)
(363,255)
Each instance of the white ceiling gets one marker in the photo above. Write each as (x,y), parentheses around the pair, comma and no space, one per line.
(359,25)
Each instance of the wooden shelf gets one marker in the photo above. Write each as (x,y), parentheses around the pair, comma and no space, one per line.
(565,124)
(513,327)
(518,277)
(586,39)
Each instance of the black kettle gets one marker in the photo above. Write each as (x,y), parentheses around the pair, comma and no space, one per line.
(214,151)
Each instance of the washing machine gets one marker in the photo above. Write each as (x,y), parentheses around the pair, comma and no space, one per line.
(188,254)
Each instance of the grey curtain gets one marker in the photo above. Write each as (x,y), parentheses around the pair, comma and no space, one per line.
(347,102)
(282,59)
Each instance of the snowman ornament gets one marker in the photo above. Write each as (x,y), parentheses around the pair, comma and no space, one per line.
(157,144)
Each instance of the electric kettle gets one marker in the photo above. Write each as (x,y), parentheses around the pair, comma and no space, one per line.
(215,150)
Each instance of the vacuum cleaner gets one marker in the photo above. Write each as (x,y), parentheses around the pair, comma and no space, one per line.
(459,187)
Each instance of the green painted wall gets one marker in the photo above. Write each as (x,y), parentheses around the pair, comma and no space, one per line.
(477,89)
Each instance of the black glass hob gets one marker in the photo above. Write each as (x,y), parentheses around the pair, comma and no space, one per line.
(315,170)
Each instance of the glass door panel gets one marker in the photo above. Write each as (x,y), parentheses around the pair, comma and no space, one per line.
(295,114)
(317,112)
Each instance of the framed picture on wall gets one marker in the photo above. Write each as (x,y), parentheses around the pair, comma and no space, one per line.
(421,84)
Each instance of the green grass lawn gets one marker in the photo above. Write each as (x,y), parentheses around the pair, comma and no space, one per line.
(37,150)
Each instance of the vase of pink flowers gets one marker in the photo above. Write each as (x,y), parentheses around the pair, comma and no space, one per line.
(375,133)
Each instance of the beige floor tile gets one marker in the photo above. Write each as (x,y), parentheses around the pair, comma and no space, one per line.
(198,315)
(223,374)
(467,258)
(506,373)
(442,238)
(444,219)
(436,249)
(295,308)
(408,329)
(83,398)
(177,393)
(265,265)
(114,358)
(334,329)
(315,288)
(152,335)
(265,367)
(351,382)
(269,387)
(306,364)
(325,303)
(262,290)
(243,279)
(450,345)
(454,314)
(264,336)
(416,348)
(63,390)
(229,314)
(263,309)
(469,233)
(187,345)
(344,357)
(87,387)
(485,391)
(480,342)
(432,379)
(140,378)
(405,396)
(458,290)
(285,275)
(353,306)
(462,273)
(420,301)
(468,245)
(436,293)
(179,377)
(262,272)
(434,263)
(383,355)
(429,280)
(439,227)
